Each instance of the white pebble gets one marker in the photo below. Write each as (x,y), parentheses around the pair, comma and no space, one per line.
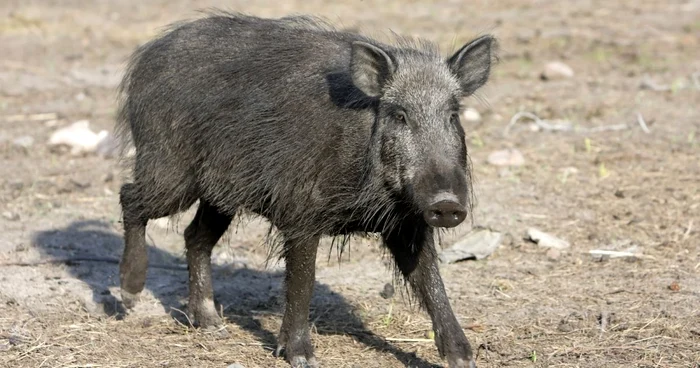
(507,157)
(78,137)
(471,115)
(10,216)
(546,240)
(557,70)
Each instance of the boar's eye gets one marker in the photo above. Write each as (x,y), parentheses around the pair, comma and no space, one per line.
(454,118)
(400,117)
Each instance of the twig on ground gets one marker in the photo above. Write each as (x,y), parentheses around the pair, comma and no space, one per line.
(603,254)
(186,316)
(604,318)
(539,122)
(686,234)
(559,125)
(642,123)
(251,344)
(31,117)
(647,83)
(69,260)
(396,339)
(606,128)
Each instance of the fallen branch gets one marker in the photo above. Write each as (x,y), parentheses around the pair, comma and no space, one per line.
(647,83)
(396,339)
(30,117)
(686,234)
(600,253)
(606,128)
(559,125)
(539,122)
(69,260)
(642,123)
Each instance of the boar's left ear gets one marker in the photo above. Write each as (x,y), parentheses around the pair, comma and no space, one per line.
(370,68)
(472,63)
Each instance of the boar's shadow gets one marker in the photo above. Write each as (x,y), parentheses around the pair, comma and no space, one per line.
(91,250)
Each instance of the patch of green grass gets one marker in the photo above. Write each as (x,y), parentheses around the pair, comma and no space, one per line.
(476,140)
(650,62)
(600,55)
(533,356)
(386,320)
(692,27)
(677,85)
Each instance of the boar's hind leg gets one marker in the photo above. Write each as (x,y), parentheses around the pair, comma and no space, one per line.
(294,339)
(416,257)
(201,236)
(134,263)
(137,210)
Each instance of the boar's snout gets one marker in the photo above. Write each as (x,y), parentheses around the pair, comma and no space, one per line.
(445,213)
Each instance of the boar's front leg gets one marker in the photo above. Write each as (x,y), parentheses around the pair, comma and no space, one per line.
(294,339)
(208,225)
(413,248)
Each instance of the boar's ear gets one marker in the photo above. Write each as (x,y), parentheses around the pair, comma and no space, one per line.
(472,63)
(370,68)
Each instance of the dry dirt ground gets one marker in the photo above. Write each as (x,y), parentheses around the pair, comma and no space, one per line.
(521,307)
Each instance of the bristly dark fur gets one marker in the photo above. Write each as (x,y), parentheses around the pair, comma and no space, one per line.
(137,110)
(320,131)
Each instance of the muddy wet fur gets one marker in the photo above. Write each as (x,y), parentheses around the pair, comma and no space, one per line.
(322,132)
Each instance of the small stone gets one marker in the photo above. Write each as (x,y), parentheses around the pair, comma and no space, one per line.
(24,142)
(556,70)
(78,137)
(478,244)
(471,115)
(108,178)
(10,216)
(80,184)
(235,365)
(507,157)
(387,292)
(674,286)
(546,240)
(553,254)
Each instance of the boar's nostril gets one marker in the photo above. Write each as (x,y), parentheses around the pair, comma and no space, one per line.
(445,214)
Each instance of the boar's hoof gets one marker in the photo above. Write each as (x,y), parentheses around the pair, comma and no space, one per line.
(129,300)
(299,359)
(461,363)
(202,313)
(301,362)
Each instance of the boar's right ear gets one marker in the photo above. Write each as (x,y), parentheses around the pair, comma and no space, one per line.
(472,63)
(370,68)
